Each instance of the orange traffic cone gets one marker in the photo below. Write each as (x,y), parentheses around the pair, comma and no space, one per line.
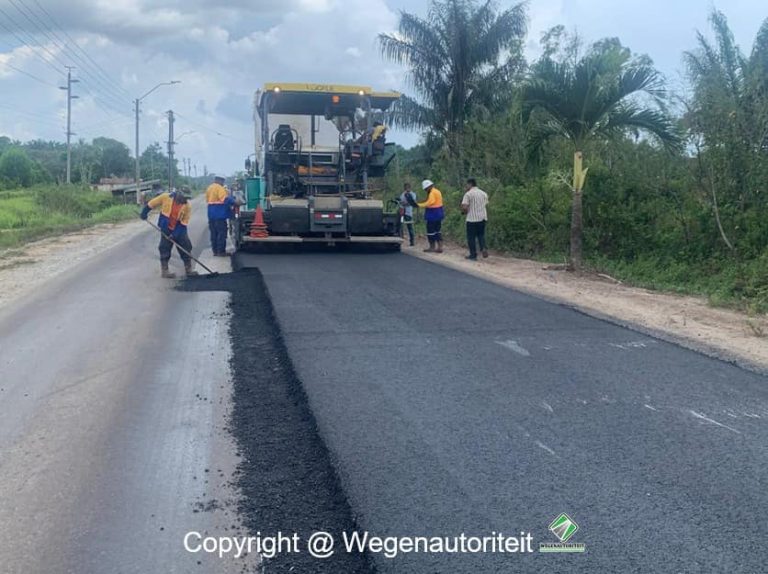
(258,227)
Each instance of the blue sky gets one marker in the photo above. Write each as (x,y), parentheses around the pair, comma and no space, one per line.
(222,50)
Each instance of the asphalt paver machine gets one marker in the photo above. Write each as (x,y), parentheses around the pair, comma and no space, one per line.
(319,148)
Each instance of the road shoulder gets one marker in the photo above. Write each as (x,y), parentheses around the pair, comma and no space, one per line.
(685,320)
(26,268)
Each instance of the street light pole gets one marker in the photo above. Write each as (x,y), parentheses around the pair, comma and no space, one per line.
(137,104)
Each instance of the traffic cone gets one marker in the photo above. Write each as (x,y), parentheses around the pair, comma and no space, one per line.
(258,227)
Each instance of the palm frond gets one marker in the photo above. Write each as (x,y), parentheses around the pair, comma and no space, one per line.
(595,97)
(630,117)
(460,59)
(409,114)
(732,61)
(499,33)
(541,131)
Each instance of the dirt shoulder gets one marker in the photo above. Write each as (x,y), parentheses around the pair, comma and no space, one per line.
(685,320)
(24,268)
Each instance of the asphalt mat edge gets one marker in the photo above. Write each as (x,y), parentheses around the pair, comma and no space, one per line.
(286,476)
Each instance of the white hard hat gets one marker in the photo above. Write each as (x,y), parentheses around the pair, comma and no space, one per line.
(426,184)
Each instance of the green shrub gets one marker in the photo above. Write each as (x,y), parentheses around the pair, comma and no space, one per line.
(16,168)
(30,214)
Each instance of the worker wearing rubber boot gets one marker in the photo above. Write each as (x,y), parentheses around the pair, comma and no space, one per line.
(219,211)
(175,212)
(433,215)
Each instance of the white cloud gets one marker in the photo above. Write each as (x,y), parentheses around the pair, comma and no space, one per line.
(223,50)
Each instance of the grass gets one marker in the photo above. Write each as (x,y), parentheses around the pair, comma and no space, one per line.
(30,214)
(725,283)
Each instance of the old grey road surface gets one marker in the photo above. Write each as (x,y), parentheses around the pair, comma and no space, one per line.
(113,394)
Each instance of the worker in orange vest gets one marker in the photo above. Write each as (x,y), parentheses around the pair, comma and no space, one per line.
(175,212)
(433,215)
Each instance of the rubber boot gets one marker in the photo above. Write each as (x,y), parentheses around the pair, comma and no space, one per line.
(164,272)
(439,247)
(189,269)
(431,248)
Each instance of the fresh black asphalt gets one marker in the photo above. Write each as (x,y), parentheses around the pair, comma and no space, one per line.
(452,405)
(287,482)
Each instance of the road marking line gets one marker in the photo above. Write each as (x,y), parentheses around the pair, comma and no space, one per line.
(545,447)
(514,346)
(712,421)
(629,345)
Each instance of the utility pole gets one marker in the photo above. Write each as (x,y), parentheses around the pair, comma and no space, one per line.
(195,171)
(170,150)
(137,102)
(70,97)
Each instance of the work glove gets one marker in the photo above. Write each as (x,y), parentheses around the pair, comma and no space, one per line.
(145,212)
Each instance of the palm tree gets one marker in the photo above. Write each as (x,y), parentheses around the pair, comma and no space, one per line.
(459,59)
(594,98)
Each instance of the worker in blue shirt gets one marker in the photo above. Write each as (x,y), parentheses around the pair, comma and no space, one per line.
(219,211)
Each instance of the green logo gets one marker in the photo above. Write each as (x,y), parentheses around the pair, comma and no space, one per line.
(563,527)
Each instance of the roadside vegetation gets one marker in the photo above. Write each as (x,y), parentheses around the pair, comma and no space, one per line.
(40,211)
(35,202)
(588,154)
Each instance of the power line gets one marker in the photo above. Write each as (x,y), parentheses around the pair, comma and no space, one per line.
(105,90)
(20,71)
(31,43)
(25,43)
(63,45)
(42,118)
(93,129)
(87,56)
(212,130)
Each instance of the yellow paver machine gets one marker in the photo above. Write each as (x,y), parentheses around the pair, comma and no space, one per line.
(319,147)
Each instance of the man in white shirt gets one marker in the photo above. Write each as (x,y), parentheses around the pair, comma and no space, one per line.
(474,204)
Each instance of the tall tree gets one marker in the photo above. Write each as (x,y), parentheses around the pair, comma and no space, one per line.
(86,162)
(460,58)
(16,167)
(115,157)
(52,157)
(154,163)
(593,98)
(728,117)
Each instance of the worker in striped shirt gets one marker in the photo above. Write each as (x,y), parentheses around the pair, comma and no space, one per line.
(474,204)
